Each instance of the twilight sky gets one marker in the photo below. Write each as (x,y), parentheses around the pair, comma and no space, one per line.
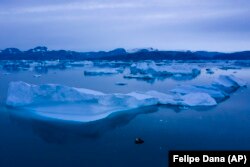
(91,25)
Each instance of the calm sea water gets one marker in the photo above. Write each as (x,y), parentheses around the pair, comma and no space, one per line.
(26,141)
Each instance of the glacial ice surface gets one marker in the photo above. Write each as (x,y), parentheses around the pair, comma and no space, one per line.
(79,104)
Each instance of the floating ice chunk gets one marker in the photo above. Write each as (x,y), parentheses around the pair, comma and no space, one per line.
(142,68)
(176,71)
(198,99)
(128,74)
(172,69)
(81,63)
(179,70)
(219,89)
(180,77)
(239,81)
(212,91)
(37,76)
(190,99)
(101,71)
(228,83)
(75,104)
(52,63)
(79,104)
(139,76)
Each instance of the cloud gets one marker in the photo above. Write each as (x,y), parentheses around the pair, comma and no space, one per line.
(69,7)
(105,24)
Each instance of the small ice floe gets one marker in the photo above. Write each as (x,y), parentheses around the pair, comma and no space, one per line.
(81,64)
(100,71)
(52,63)
(139,76)
(183,107)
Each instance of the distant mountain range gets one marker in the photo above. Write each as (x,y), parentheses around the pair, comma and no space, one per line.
(42,53)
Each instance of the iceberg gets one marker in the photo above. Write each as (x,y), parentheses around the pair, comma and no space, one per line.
(37,76)
(219,89)
(189,99)
(72,104)
(85,63)
(24,94)
(148,70)
(228,83)
(100,71)
(139,76)
(214,92)
(85,105)
(166,70)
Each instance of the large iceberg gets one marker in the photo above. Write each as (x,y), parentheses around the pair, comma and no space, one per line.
(79,104)
(75,104)
(24,94)
(151,70)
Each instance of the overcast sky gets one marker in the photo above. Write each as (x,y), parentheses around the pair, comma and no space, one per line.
(91,25)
